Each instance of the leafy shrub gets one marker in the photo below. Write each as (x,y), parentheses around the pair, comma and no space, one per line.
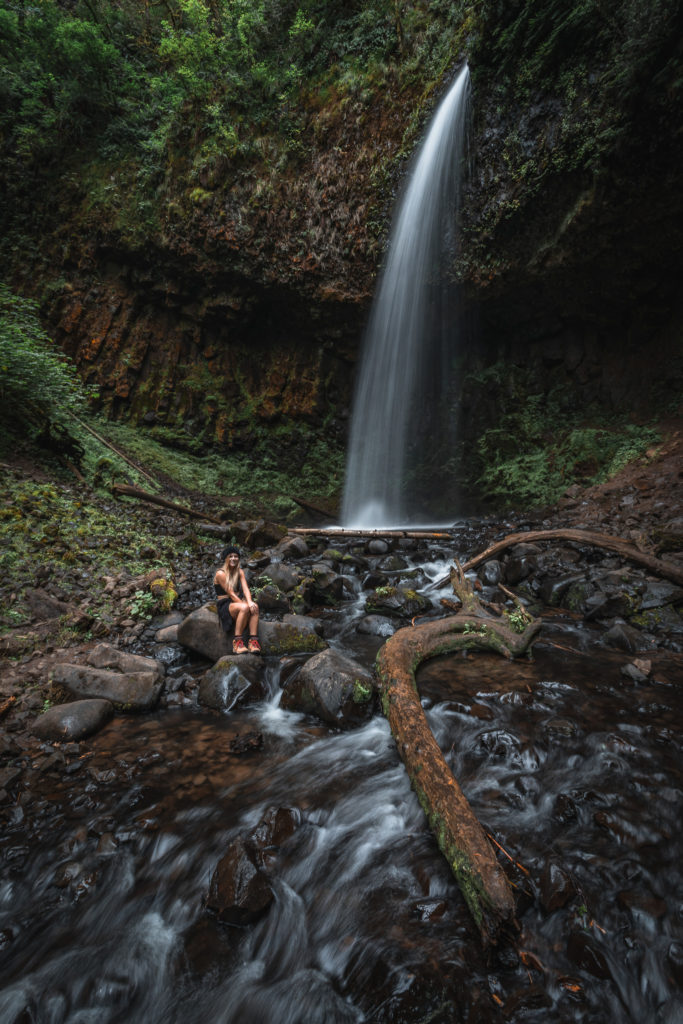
(37,381)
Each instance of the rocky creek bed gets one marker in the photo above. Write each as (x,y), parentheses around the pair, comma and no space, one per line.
(123,845)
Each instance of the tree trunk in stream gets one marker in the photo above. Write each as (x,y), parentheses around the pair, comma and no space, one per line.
(458,832)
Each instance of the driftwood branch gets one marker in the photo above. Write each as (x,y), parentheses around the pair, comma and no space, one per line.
(600,540)
(154,499)
(460,837)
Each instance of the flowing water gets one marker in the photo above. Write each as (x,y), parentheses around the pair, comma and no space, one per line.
(108,854)
(409,341)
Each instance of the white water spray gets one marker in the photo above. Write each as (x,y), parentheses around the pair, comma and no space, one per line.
(410,333)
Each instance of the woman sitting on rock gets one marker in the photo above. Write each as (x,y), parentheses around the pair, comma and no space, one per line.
(235,603)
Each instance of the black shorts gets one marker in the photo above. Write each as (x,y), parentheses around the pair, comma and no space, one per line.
(226,619)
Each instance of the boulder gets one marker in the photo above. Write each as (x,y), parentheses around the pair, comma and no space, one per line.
(283,576)
(554,589)
(292,547)
(491,572)
(396,601)
(377,547)
(271,600)
(660,592)
(239,891)
(257,533)
(73,721)
(128,691)
(303,622)
(376,625)
(626,638)
(235,679)
(202,632)
(44,606)
(290,637)
(669,537)
(393,563)
(331,686)
(108,656)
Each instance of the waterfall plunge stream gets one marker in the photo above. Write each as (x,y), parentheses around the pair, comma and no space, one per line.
(404,367)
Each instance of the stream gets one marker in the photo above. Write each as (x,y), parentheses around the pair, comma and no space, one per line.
(574,772)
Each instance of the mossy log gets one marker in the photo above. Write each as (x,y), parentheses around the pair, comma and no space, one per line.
(459,834)
(125,490)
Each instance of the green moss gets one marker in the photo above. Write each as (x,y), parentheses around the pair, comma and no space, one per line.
(361,692)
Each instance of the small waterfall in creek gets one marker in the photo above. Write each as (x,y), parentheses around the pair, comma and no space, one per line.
(404,366)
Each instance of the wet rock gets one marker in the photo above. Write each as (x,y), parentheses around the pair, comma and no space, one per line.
(134,691)
(392,563)
(373,580)
(527,999)
(283,576)
(396,601)
(108,656)
(167,635)
(634,673)
(170,655)
(556,887)
(564,809)
(245,743)
(290,638)
(66,874)
(519,568)
(239,891)
(491,572)
(658,593)
(376,625)
(562,727)
(626,638)
(233,680)
(639,902)
(674,960)
(73,721)
(277,825)
(333,687)
(271,600)
(658,620)
(201,631)
(377,547)
(584,952)
(327,584)
(292,547)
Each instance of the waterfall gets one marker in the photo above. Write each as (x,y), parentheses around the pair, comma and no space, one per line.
(410,339)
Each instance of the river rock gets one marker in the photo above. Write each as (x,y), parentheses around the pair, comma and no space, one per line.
(375,579)
(297,636)
(234,679)
(376,625)
(73,721)
(626,638)
(377,546)
(491,572)
(556,887)
(584,951)
(292,547)
(202,632)
(393,563)
(239,891)
(284,576)
(108,656)
(660,592)
(396,601)
(328,585)
(553,589)
(134,691)
(277,825)
(167,635)
(333,687)
(271,600)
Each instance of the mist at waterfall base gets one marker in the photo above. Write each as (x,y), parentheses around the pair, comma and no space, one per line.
(400,426)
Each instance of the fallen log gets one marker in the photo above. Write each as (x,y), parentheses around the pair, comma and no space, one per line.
(600,540)
(116,451)
(310,507)
(338,531)
(134,492)
(458,832)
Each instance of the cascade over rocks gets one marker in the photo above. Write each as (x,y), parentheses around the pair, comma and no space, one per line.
(233,680)
(334,688)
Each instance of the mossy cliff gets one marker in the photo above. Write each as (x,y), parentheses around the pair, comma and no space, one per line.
(201,201)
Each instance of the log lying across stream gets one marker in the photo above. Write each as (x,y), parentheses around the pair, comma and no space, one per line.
(459,834)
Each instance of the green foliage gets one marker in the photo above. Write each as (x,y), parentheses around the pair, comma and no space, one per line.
(37,381)
(542,443)
(142,605)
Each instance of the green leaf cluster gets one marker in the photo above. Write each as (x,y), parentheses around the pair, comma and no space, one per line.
(37,381)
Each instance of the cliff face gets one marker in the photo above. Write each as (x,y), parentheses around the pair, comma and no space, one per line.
(231,297)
